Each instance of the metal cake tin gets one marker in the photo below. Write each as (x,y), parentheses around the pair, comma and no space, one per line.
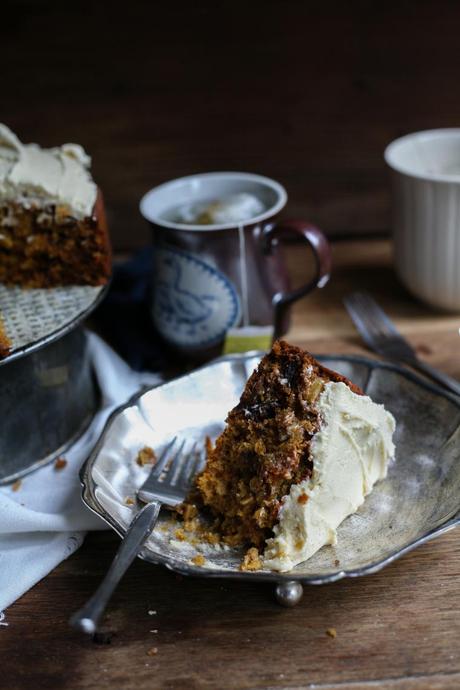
(418,500)
(49,393)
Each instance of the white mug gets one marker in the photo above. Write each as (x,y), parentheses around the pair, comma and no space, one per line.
(426,214)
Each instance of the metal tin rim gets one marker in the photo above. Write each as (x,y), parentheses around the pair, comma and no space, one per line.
(59,332)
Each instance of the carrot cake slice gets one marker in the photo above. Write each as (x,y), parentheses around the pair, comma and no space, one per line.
(53,229)
(299,453)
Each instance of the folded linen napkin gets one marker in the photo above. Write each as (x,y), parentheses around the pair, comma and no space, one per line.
(45,520)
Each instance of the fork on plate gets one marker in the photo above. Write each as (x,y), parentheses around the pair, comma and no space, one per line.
(381,335)
(167,484)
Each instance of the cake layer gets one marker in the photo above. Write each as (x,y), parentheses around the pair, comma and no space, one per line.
(47,246)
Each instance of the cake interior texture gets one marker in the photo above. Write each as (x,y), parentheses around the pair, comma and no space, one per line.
(46,246)
(299,453)
(265,447)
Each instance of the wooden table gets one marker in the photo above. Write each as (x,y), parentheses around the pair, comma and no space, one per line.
(398,629)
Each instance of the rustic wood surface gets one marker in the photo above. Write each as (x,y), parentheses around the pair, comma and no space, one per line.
(307,92)
(396,630)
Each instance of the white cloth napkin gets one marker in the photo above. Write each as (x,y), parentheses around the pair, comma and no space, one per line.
(45,520)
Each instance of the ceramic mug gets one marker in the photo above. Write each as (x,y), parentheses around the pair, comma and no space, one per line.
(211,278)
(426,214)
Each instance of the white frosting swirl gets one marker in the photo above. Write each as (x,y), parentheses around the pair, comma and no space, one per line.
(39,176)
(350,452)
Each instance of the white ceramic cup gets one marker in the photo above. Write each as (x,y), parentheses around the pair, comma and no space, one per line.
(426,214)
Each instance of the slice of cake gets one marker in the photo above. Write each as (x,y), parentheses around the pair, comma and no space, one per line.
(53,229)
(300,452)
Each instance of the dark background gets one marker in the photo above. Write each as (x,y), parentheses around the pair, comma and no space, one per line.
(307,92)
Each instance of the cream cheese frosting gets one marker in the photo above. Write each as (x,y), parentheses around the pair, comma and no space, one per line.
(350,452)
(31,174)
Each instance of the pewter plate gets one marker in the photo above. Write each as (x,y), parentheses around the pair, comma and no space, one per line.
(416,502)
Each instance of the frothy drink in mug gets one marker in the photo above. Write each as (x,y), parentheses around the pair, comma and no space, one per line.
(234,208)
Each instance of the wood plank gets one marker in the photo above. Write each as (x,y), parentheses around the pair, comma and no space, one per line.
(396,630)
(429,682)
(402,622)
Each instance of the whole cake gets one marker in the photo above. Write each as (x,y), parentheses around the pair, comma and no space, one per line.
(53,229)
(299,453)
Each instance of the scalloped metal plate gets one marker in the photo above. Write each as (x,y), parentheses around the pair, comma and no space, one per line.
(418,501)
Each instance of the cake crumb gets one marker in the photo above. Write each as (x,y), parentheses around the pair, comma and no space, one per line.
(60,463)
(211,538)
(191,525)
(189,511)
(152,651)
(179,534)
(16,485)
(251,560)
(199,560)
(146,456)
(129,501)
(302,499)
(332,632)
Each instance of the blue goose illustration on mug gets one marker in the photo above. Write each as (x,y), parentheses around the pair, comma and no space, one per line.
(183,305)
(194,303)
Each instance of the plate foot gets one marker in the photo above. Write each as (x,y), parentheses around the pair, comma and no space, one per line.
(289,593)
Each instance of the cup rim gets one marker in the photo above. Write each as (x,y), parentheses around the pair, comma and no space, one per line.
(441,132)
(253,177)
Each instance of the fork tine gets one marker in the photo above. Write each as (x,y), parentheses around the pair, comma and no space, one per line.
(186,467)
(357,316)
(175,465)
(366,313)
(378,315)
(194,467)
(161,462)
(376,328)
(368,316)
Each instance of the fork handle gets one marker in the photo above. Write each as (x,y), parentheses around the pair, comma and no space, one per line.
(87,618)
(436,375)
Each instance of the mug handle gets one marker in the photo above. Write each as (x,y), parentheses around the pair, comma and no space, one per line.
(287,230)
